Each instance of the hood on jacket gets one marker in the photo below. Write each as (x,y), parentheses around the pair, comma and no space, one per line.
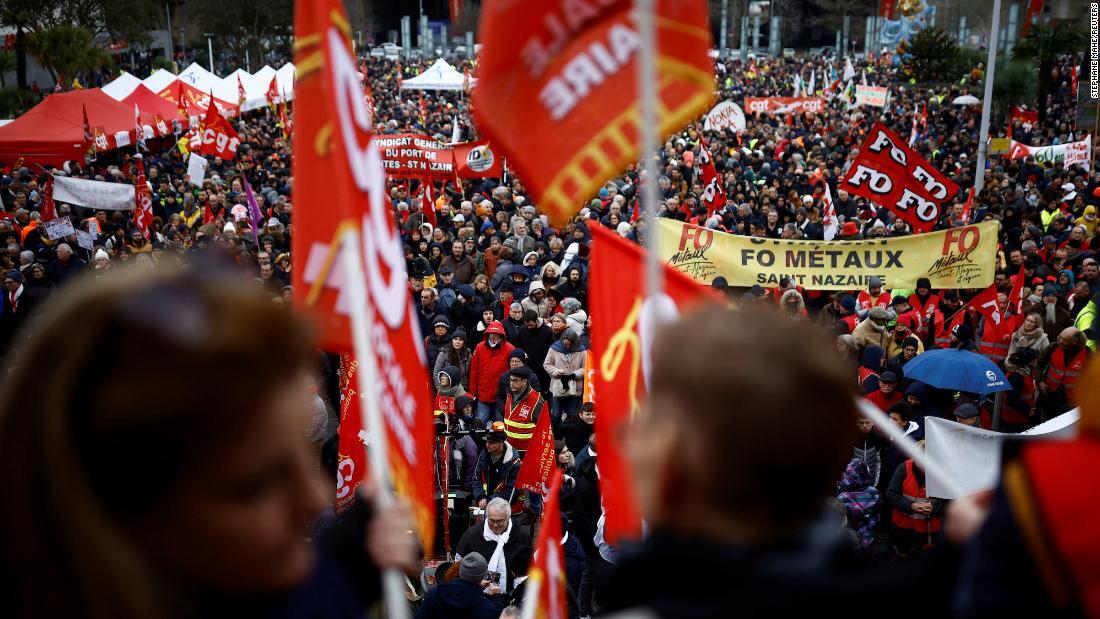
(453,374)
(536,285)
(857,476)
(570,305)
(872,358)
(521,270)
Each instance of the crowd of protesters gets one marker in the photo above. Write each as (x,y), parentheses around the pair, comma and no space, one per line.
(502,300)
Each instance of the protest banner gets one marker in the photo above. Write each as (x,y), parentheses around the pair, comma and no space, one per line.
(557,89)
(85,240)
(955,258)
(888,172)
(196,169)
(96,195)
(725,115)
(540,460)
(783,105)
(1065,154)
(351,459)
(408,155)
(972,456)
(623,321)
(59,228)
(873,96)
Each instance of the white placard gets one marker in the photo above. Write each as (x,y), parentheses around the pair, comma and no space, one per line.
(59,228)
(85,240)
(98,195)
(196,169)
(725,115)
(874,96)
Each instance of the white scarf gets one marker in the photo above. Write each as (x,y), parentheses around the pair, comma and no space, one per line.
(496,562)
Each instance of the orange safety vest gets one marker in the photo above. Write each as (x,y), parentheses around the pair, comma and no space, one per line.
(1027,394)
(1058,520)
(445,403)
(520,418)
(852,320)
(864,374)
(943,336)
(993,342)
(1063,373)
(912,491)
(926,311)
(864,300)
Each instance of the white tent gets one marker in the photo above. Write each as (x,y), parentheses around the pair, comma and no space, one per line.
(159,80)
(440,76)
(121,86)
(284,77)
(255,93)
(264,75)
(196,75)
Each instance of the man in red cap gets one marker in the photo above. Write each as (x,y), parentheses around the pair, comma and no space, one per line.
(489,362)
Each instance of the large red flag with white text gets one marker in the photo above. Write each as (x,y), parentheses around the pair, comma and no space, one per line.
(218,136)
(332,141)
(557,88)
(538,461)
(888,172)
(622,322)
(143,201)
(351,465)
(714,195)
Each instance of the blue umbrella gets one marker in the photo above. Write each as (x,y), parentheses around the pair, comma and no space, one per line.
(958,370)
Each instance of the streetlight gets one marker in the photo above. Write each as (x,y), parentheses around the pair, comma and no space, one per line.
(210,48)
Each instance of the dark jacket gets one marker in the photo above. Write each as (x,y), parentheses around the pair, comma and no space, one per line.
(517,552)
(536,343)
(460,599)
(575,432)
(502,391)
(495,478)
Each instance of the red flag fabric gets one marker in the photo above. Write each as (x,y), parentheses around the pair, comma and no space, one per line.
(49,210)
(88,136)
(886,9)
(888,172)
(272,91)
(423,109)
(240,91)
(714,195)
(547,573)
(969,206)
(207,215)
(986,305)
(455,7)
(143,202)
(427,201)
(538,462)
(1034,9)
(620,315)
(351,463)
(333,141)
(1015,298)
(557,93)
(218,136)
(284,119)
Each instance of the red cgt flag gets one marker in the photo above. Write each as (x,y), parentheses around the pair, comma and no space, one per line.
(714,195)
(49,210)
(620,316)
(351,465)
(557,88)
(332,140)
(218,136)
(143,202)
(547,574)
(888,172)
(538,462)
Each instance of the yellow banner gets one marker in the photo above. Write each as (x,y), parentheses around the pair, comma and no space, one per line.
(956,258)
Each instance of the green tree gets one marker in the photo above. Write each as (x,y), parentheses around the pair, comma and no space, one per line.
(1043,46)
(67,50)
(258,26)
(1013,84)
(7,64)
(932,55)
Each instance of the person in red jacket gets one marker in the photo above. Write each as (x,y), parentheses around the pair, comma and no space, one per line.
(489,362)
(887,393)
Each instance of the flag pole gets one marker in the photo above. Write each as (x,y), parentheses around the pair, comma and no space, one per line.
(397,606)
(647,96)
(987,100)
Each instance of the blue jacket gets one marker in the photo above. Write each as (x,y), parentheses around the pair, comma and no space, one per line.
(459,599)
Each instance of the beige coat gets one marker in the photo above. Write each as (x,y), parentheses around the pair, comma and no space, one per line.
(561,365)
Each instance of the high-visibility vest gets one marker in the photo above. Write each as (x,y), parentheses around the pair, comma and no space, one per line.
(852,320)
(913,491)
(993,342)
(864,300)
(1063,373)
(1027,393)
(520,418)
(864,374)
(926,311)
(943,336)
(1059,522)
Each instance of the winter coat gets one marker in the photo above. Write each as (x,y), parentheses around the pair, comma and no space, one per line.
(460,598)
(517,552)
(502,392)
(575,432)
(433,345)
(486,367)
(441,362)
(464,269)
(861,501)
(566,369)
(867,334)
(542,308)
(536,343)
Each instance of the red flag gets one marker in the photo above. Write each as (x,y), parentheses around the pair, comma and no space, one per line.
(207,215)
(423,109)
(888,172)
(181,101)
(714,195)
(1034,8)
(218,136)
(351,466)
(566,135)
(272,91)
(538,462)
(88,136)
(284,119)
(616,297)
(352,215)
(968,206)
(49,210)
(986,305)
(143,202)
(456,9)
(1015,298)
(427,201)
(547,574)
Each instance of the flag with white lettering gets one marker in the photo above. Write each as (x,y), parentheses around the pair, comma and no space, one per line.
(888,172)
(714,195)
(557,88)
(828,214)
(218,136)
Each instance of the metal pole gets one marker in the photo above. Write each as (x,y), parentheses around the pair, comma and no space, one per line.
(725,26)
(647,94)
(210,49)
(247,61)
(987,100)
(171,51)
(998,401)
